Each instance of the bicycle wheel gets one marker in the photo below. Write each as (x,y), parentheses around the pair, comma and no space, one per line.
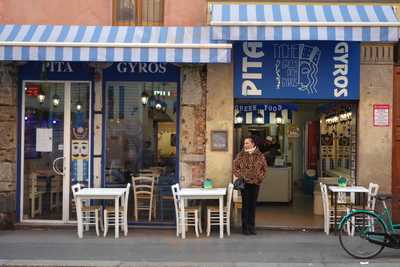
(360,235)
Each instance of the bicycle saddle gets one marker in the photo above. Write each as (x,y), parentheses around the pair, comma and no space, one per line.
(383,197)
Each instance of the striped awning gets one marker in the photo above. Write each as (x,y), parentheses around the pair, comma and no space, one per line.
(111,44)
(304,22)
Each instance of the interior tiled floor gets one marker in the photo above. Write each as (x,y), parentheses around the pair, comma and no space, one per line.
(298,214)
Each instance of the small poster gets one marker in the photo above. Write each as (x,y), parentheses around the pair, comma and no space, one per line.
(44,140)
(381,115)
(293,131)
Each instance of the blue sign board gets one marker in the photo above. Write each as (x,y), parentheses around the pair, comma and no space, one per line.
(297,70)
(142,71)
(56,70)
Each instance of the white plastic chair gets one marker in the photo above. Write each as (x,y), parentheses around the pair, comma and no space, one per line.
(90,214)
(329,212)
(213,213)
(110,216)
(192,215)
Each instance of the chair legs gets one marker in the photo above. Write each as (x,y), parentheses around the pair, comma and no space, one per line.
(123,225)
(226,222)
(97,222)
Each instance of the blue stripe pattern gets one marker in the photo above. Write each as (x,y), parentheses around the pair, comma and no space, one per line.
(264,13)
(199,37)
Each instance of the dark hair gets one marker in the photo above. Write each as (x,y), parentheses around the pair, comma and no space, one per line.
(251,138)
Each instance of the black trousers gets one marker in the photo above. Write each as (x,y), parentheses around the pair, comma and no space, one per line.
(249,202)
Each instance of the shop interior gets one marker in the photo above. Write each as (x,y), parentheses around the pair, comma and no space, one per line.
(303,142)
(141,141)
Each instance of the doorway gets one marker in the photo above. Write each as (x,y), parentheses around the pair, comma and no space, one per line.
(55,148)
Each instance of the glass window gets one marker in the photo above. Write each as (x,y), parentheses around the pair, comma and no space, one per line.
(140,138)
(138,12)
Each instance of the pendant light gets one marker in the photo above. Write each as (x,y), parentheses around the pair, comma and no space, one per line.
(56,99)
(79,103)
(145,97)
(41,96)
(278,117)
(239,118)
(164,105)
(158,104)
(259,118)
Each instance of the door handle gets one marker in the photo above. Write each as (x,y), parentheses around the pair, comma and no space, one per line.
(55,169)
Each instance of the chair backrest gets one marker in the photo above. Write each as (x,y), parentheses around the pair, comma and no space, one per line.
(126,197)
(229,199)
(75,188)
(325,199)
(372,192)
(175,189)
(143,186)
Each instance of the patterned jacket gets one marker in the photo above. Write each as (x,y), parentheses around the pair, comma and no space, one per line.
(252,167)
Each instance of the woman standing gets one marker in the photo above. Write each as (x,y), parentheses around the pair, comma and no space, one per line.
(250,165)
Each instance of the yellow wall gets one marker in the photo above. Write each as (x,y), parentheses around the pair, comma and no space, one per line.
(165,129)
(219,117)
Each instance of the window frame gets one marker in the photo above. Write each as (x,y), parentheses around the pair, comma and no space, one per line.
(138,18)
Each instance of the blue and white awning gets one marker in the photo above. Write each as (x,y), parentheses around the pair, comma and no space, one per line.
(111,44)
(304,22)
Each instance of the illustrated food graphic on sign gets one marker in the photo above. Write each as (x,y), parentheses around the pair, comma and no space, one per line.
(297,67)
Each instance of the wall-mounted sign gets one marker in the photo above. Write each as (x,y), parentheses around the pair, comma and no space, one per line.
(219,141)
(57,70)
(32,89)
(142,71)
(265,107)
(293,131)
(297,70)
(381,115)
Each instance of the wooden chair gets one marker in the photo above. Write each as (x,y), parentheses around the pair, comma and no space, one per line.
(155,174)
(213,213)
(90,214)
(110,216)
(371,201)
(143,194)
(329,212)
(36,195)
(192,216)
(56,191)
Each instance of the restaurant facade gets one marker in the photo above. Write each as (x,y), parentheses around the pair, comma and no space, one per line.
(96,105)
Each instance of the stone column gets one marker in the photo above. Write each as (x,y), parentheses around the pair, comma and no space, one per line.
(192,123)
(8,143)
(375,143)
(219,117)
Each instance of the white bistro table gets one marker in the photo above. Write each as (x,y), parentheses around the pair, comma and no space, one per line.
(346,189)
(200,193)
(100,194)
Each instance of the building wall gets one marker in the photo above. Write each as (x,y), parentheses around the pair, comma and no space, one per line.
(375,143)
(219,117)
(8,143)
(192,137)
(181,13)
(74,12)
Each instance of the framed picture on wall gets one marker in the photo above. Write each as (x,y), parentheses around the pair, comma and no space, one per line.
(219,140)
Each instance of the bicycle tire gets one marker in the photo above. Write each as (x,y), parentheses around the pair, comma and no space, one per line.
(361,227)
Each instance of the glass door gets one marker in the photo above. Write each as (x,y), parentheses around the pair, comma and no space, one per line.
(55,148)
(79,136)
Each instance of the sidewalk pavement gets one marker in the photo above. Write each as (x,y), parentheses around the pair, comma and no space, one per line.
(153,247)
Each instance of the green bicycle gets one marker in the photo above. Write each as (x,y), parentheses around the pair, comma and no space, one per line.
(364,234)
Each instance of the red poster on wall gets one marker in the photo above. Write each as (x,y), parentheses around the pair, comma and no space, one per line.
(312,149)
(381,115)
